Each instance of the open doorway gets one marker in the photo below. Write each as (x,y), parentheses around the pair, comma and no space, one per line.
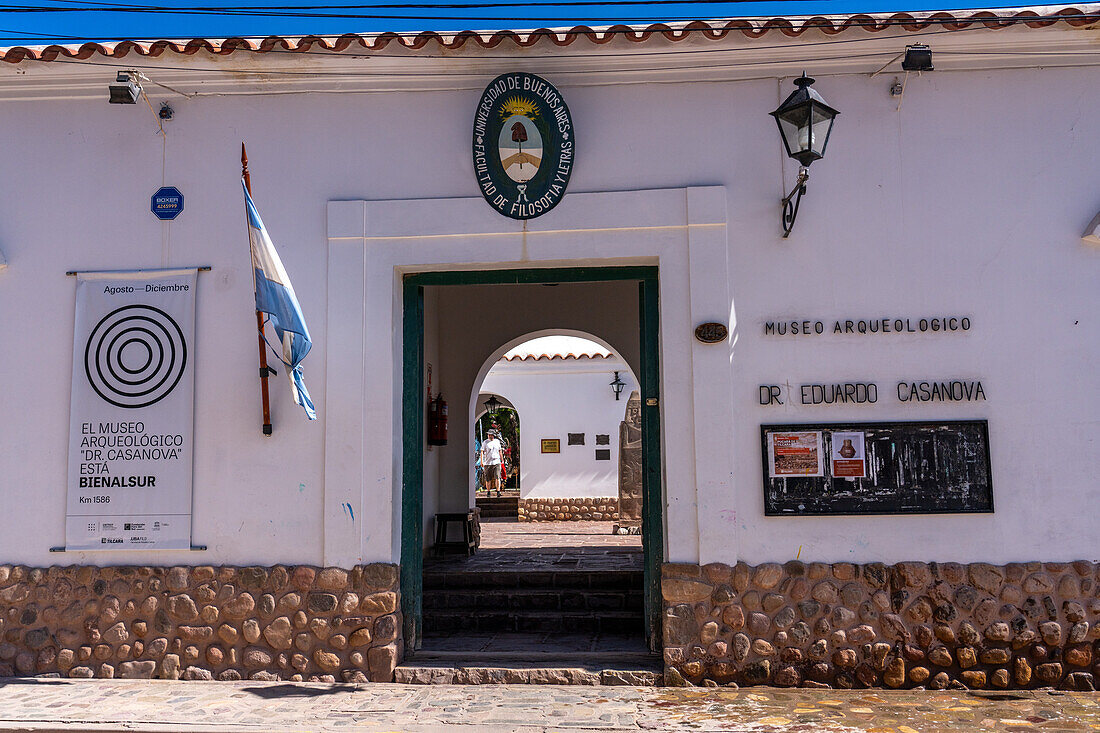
(464,324)
(497,478)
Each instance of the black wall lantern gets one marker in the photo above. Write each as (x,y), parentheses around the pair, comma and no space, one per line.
(617,385)
(805,122)
(492,404)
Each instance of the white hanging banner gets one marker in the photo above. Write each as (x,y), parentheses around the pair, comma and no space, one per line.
(131,424)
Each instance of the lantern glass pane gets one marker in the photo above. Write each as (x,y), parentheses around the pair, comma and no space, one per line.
(822,121)
(791,137)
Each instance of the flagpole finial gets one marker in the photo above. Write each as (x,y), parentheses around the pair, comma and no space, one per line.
(244,170)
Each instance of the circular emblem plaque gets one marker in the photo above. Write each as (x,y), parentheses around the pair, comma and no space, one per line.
(523,145)
(711,333)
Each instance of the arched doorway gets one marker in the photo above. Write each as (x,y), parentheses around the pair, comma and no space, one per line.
(511,306)
(569,386)
(496,497)
(497,414)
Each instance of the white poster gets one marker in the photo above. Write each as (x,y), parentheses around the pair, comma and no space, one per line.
(132,412)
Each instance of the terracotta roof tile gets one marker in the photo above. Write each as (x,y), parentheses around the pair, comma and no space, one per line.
(552,357)
(1041,16)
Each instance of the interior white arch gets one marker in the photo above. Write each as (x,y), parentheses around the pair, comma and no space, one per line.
(554,397)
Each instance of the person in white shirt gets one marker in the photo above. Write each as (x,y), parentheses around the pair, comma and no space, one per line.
(492,454)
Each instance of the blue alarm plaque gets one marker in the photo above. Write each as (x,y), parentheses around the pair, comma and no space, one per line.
(167,203)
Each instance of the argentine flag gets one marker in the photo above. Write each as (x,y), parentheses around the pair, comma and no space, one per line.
(275,297)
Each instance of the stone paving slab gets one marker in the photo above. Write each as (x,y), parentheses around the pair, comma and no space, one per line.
(546,547)
(153,706)
(505,535)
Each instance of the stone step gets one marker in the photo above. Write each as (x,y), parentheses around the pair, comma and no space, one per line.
(480,668)
(502,513)
(544,579)
(552,622)
(497,508)
(497,501)
(535,600)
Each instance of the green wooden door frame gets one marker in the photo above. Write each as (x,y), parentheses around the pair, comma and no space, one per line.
(413,412)
(412,462)
(652,496)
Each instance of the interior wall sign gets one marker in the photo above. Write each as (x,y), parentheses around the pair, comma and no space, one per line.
(523,145)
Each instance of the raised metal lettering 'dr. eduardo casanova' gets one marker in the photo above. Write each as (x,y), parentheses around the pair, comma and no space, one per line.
(523,145)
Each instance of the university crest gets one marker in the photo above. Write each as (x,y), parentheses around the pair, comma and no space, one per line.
(523,145)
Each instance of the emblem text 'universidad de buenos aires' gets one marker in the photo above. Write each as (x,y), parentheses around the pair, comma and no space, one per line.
(523,145)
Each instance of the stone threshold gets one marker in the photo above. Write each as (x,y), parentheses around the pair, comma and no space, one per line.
(533,668)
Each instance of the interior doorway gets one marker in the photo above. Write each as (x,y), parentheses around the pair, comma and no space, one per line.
(498,415)
(526,300)
(496,487)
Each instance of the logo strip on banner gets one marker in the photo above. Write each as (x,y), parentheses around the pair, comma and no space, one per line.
(131,424)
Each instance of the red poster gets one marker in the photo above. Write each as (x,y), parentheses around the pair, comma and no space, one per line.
(848,457)
(795,454)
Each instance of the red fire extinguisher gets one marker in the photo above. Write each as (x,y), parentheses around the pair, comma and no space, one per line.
(437,421)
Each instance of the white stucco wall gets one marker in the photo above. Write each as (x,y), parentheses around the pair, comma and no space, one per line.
(962,201)
(557,397)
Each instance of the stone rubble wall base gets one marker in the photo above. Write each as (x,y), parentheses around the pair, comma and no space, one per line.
(601,509)
(201,623)
(909,625)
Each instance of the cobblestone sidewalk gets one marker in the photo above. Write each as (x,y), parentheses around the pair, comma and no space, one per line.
(122,705)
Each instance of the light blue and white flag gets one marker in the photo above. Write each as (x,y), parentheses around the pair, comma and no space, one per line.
(275,297)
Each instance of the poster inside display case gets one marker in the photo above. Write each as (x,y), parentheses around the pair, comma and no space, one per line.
(877,468)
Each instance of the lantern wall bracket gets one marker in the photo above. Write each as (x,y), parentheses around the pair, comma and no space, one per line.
(790,201)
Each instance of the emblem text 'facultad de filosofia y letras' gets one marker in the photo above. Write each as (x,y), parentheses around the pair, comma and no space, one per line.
(523,145)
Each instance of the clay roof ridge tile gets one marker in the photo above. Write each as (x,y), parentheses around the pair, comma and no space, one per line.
(1037,16)
(552,357)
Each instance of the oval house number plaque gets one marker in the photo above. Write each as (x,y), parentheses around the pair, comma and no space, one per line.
(711,333)
(523,145)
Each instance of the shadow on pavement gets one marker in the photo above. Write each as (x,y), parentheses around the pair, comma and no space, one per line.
(5,681)
(272,692)
(999,696)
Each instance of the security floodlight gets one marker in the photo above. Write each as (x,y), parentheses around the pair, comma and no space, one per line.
(126,88)
(918,57)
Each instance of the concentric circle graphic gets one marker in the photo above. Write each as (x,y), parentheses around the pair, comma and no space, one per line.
(135,356)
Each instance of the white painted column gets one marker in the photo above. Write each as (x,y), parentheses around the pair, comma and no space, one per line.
(711,378)
(344,398)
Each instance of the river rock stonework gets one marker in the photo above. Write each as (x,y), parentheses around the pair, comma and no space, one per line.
(201,623)
(913,624)
(601,509)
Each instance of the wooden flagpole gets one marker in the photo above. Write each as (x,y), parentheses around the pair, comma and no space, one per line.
(265,370)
